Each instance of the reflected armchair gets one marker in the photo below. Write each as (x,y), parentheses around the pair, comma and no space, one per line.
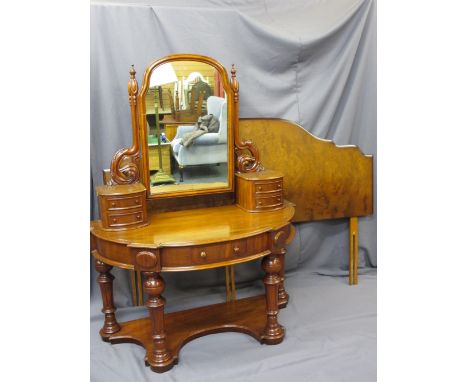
(210,148)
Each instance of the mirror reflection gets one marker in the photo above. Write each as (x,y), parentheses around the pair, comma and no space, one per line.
(186,113)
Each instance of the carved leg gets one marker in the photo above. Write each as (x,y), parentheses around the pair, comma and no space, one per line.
(159,357)
(181,173)
(273,332)
(283,297)
(105,283)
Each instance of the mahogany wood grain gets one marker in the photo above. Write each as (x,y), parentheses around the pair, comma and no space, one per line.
(323,180)
(244,316)
(122,206)
(273,332)
(105,280)
(259,191)
(125,165)
(197,227)
(190,202)
(159,357)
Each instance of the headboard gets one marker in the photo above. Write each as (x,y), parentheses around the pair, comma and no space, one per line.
(324,180)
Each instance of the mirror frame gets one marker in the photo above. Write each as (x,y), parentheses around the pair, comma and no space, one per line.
(130,165)
(231,115)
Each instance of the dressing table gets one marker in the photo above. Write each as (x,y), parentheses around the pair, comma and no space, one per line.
(151,223)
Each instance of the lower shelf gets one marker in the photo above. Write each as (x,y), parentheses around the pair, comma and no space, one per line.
(246,316)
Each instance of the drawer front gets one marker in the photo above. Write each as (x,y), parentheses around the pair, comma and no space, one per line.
(123,220)
(200,255)
(213,253)
(267,187)
(118,203)
(271,201)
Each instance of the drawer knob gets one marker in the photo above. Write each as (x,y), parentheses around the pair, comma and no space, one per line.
(260,203)
(137,201)
(203,254)
(138,217)
(278,186)
(114,220)
(259,188)
(236,250)
(113,204)
(278,199)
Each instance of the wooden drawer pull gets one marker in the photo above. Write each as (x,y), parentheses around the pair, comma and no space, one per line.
(236,250)
(114,220)
(113,204)
(259,188)
(137,201)
(260,203)
(203,254)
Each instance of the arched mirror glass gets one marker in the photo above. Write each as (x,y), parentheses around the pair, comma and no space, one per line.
(188,128)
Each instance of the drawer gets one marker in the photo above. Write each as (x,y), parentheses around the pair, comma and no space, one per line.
(119,203)
(213,253)
(121,220)
(272,200)
(261,187)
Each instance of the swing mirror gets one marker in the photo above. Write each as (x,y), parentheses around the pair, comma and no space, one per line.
(185,116)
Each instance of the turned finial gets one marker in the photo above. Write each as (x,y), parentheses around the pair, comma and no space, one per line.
(234,84)
(132,72)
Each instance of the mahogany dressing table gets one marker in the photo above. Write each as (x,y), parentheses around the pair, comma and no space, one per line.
(155,228)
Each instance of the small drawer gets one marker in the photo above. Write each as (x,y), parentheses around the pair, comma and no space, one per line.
(121,220)
(273,200)
(268,186)
(211,253)
(200,255)
(123,203)
(237,249)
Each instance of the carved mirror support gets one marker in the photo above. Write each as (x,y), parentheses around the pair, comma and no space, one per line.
(245,162)
(125,165)
(171,106)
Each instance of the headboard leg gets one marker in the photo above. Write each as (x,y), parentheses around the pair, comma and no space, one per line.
(353,250)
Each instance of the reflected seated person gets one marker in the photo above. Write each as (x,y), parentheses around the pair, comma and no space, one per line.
(206,142)
(206,124)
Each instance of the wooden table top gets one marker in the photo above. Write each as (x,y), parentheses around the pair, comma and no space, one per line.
(198,226)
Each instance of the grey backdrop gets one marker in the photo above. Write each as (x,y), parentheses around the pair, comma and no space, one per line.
(312,62)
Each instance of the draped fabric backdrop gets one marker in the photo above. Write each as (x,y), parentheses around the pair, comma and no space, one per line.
(312,62)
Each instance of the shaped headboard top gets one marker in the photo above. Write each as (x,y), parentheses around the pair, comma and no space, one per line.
(323,180)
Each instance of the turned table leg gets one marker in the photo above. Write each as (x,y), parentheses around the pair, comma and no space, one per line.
(273,332)
(105,283)
(283,297)
(159,358)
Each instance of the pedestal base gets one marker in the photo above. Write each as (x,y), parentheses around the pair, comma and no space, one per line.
(245,316)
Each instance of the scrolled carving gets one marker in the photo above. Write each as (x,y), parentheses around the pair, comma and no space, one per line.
(248,162)
(125,165)
(279,238)
(245,162)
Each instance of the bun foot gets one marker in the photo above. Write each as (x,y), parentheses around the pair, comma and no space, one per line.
(161,366)
(274,337)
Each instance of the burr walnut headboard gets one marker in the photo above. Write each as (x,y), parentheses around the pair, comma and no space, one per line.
(324,180)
